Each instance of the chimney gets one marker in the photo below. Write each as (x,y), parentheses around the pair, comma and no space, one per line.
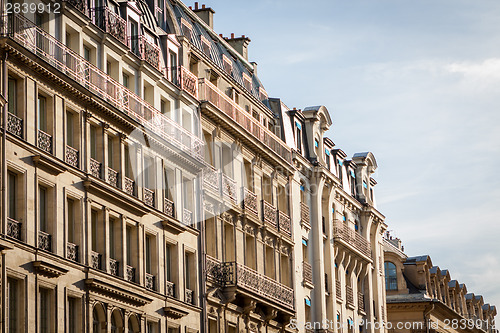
(240,44)
(205,13)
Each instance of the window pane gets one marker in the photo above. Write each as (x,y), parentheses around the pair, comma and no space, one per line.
(42,113)
(71,221)
(42,208)
(12,303)
(69,129)
(12,96)
(12,189)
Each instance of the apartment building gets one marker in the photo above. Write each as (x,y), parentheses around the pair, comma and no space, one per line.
(422,297)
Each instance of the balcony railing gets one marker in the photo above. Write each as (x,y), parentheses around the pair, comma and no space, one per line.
(72,251)
(14,125)
(211,178)
(269,213)
(113,266)
(95,168)
(44,241)
(13,228)
(353,238)
(212,94)
(338,289)
(110,22)
(361,301)
(250,201)
(212,266)
(145,50)
(304,214)
(95,260)
(182,78)
(112,177)
(229,188)
(72,156)
(349,296)
(44,141)
(168,207)
(149,197)
(241,276)
(189,296)
(187,217)
(129,186)
(150,281)
(130,273)
(62,58)
(81,5)
(170,289)
(307,272)
(284,223)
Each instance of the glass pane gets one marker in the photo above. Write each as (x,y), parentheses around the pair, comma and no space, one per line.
(12,96)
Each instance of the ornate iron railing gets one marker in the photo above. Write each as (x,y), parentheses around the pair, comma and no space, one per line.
(211,178)
(212,266)
(13,228)
(14,125)
(150,281)
(187,217)
(353,238)
(241,276)
(284,223)
(229,188)
(361,301)
(307,272)
(210,93)
(149,197)
(95,260)
(145,50)
(129,186)
(130,273)
(95,168)
(81,5)
(44,241)
(112,177)
(44,141)
(304,214)
(269,213)
(72,251)
(182,78)
(61,57)
(168,207)
(250,201)
(72,156)
(113,266)
(170,289)
(189,296)
(338,289)
(349,296)
(110,22)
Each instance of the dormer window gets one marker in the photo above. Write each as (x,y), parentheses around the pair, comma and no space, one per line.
(298,136)
(327,158)
(205,45)
(186,28)
(227,64)
(263,94)
(352,181)
(391,279)
(247,82)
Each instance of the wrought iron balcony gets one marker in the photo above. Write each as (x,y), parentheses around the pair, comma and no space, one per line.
(150,281)
(307,272)
(338,289)
(170,289)
(81,5)
(352,238)
(304,215)
(129,186)
(44,141)
(269,214)
(212,266)
(349,296)
(211,179)
(182,78)
(250,201)
(72,251)
(72,156)
(188,217)
(13,228)
(229,188)
(284,223)
(110,22)
(145,50)
(95,260)
(149,197)
(189,296)
(130,274)
(168,207)
(14,125)
(113,267)
(210,93)
(112,177)
(241,276)
(44,241)
(62,58)
(95,168)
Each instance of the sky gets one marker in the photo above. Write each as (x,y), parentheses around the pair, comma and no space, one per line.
(415,82)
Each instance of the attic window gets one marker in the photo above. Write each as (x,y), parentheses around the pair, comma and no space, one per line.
(247,82)
(255,114)
(263,94)
(186,28)
(227,63)
(205,45)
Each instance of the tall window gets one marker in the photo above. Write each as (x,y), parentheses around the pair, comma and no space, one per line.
(42,209)
(45,311)
(93,142)
(93,221)
(113,229)
(12,95)
(42,113)
(70,129)
(71,221)
(173,67)
(12,196)
(73,314)
(168,257)
(111,152)
(299,140)
(125,80)
(148,255)
(391,279)
(13,311)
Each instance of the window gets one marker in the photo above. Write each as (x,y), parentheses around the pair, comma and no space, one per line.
(73,314)
(114,238)
(247,82)
(149,252)
(125,80)
(149,174)
(151,327)
(42,209)
(42,113)
(72,230)
(168,258)
(93,142)
(391,280)
(228,64)
(12,196)
(70,129)
(111,152)
(46,310)
(12,95)
(13,310)
(205,45)
(93,219)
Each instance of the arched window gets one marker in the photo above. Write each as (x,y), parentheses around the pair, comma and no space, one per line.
(116,321)
(98,318)
(391,279)
(133,324)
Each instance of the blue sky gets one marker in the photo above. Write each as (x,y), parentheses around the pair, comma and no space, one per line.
(415,82)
